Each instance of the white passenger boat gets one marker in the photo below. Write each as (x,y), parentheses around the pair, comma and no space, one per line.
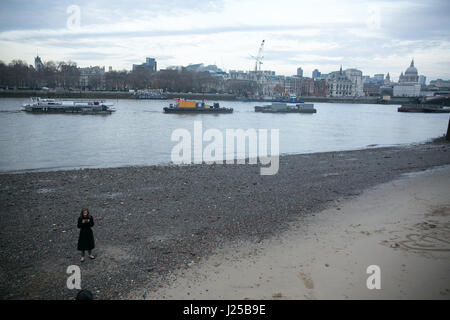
(39,105)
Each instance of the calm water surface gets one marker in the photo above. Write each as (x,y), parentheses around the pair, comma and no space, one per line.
(139,132)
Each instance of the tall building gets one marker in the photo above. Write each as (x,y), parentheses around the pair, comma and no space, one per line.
(38,65)
(299,72)
(149,64)
(316,74)
(422,80)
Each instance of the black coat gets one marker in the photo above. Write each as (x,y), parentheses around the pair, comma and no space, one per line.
(86,239)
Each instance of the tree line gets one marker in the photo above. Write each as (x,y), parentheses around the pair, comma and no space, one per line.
(18,74)
(67,75)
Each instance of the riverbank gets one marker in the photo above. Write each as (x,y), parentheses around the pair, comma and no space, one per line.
(107,95)
(402,227)
(194,96)
(152,222)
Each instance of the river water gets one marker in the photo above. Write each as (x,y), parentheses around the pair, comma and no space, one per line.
(139,133)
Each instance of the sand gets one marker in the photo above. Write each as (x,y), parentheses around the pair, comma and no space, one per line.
(155,224)
(402,226)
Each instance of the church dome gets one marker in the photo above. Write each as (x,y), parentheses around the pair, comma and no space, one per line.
(411,70)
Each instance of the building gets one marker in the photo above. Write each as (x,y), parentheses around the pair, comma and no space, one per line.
(178,68)
(379,77)
(440,84)
(408,84)
(38,65)
(371,89)
(387,80)
(149,64)
(92,77)
(293,85)
(274,85)
(212,68)
(338,85)
(320,88)
(407,90)
(372,86)
(316,74)
(355,77)
(411,75)
(200,67)
(422,80)
(238,75)
(348,83)
(307,87)
(195,67)
(299,72)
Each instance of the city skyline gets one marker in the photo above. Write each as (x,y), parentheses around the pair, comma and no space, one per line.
(372,36)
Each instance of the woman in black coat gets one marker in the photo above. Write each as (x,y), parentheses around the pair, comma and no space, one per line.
(86,239)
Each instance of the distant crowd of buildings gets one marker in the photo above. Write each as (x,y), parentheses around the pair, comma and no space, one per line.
(342,83)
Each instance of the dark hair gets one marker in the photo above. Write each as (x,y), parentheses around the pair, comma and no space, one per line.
(84,295)
(84,209)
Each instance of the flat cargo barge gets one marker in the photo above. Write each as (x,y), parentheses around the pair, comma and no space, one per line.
(423,109)
(281,107)
(183,106)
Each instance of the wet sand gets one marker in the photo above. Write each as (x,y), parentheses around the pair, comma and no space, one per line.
(402,226)
(156,222)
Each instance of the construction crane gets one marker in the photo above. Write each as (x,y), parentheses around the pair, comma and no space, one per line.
(259,57)
(259,77)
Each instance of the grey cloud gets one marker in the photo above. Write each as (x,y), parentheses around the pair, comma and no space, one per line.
(161,33)
(424,19)
(52,14)
(91,55)
(406,26)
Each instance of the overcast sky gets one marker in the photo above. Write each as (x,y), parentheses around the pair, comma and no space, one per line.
(373,36)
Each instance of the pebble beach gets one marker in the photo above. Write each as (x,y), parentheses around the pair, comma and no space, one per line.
(156,220)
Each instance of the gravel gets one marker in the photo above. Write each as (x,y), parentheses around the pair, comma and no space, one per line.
(151,221)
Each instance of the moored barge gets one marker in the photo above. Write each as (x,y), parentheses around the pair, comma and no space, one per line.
(424,109)
(189,106)
(283,107)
